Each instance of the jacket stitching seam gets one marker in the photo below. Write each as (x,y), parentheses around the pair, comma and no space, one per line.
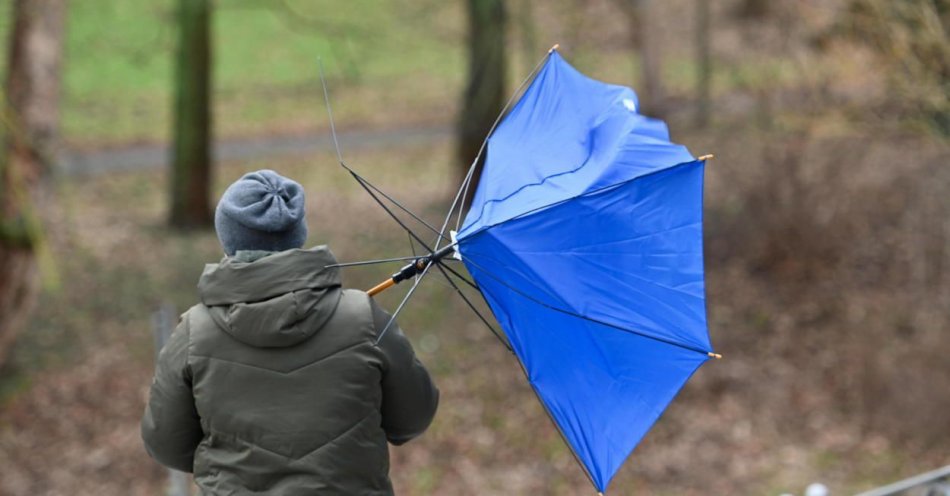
(328,356)
(330,441)
(187,329)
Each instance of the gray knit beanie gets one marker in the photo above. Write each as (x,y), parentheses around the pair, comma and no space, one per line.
(261,211)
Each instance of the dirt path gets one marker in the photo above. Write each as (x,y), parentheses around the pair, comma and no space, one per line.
(134,157)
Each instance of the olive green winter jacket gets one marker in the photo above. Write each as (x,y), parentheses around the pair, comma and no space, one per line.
(275,384)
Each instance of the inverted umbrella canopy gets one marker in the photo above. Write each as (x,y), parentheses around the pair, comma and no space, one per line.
(585,238)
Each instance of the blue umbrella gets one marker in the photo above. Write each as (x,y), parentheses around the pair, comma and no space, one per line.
(585,238)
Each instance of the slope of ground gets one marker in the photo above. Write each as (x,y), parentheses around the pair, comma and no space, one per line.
(829,374)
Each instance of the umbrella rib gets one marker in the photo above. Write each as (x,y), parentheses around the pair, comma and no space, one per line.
(397,204)
(372,262)
(412,246)
(582,317)
(326,99)
(460,276)
(584,194)
(472,306)
(392,214)
(481,149)
(471,169)
(463,188)
(403,303)
(360,179)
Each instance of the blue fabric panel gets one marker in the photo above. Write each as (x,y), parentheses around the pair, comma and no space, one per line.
(568,135)
(585,237)
(630,256)
(604,388)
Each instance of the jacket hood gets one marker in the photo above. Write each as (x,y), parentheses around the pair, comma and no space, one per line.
(275,301)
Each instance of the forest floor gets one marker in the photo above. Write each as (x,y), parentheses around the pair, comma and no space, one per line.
(770,417)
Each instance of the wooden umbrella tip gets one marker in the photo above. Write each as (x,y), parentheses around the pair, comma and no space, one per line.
(717,356)
(706,157)
(555,47)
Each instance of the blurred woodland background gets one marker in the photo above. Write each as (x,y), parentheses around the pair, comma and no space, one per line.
(827,219)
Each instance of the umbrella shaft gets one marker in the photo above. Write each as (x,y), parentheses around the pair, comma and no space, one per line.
(411,269)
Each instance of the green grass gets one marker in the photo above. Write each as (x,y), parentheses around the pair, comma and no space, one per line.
(383,60)
(388,63)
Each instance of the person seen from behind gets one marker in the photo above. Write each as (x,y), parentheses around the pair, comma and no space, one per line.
(275,383)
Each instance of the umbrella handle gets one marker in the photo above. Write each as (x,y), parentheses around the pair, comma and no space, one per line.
(379,288)
(412,269)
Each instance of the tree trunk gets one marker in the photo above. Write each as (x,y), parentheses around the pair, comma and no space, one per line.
(191,165)
(529,37)
(703,63)
(644,40)
(484,95)
(30,124)
(753,9)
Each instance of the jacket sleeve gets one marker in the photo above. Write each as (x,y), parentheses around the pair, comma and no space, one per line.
(410,399)
(171,428)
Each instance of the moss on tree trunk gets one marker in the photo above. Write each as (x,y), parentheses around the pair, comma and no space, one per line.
(30,127)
